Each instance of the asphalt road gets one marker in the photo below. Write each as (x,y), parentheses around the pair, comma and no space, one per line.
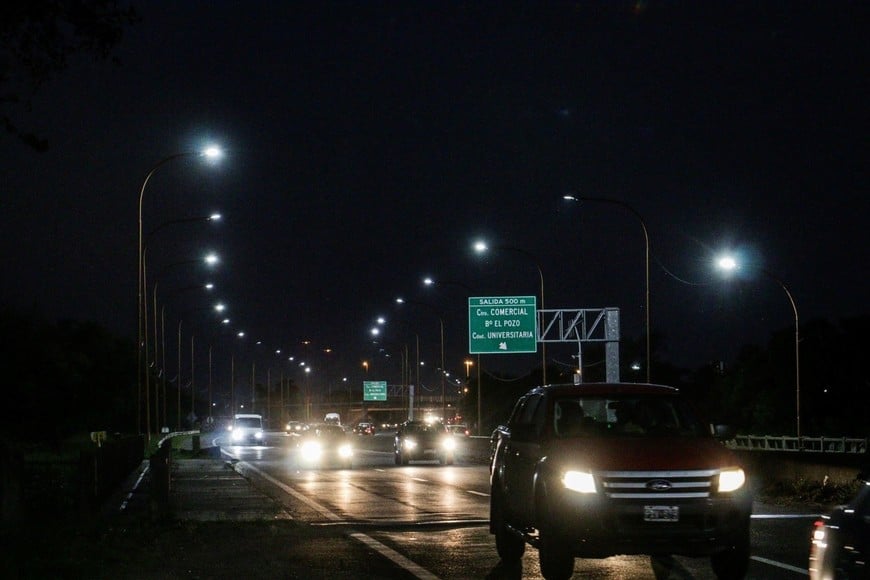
(430,521)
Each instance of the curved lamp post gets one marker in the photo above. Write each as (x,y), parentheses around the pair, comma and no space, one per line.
(210,153)
(730,264)
(442,370)
(481,247)
(634,212)
(429,281)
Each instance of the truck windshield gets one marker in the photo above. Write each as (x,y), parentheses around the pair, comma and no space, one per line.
(630,416)
(249,422)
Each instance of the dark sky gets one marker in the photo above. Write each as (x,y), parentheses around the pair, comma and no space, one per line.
(368,144)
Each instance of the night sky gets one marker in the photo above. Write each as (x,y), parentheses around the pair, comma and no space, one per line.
(369,144)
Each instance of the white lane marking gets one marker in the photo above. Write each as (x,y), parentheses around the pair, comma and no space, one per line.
(135,485)
(785,516)
(776,564)
(421,480)
(304,499)
(481,494)
(380,548)
(394,556)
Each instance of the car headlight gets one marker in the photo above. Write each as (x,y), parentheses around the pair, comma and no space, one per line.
(345,451)
(579,481)
(449,443)
(258,435)
(731,480)
(311,450)
(409,444)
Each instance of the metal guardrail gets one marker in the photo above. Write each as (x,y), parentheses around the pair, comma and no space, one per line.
(805,444)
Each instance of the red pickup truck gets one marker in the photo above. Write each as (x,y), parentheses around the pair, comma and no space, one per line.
(601,469)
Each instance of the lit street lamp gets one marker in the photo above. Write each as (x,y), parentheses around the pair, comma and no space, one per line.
(634,212)
(429,281)
(209,153)
(730,264)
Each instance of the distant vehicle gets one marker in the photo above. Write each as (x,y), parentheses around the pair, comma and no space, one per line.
(246,428)
(459,429)
(365,428)
(601,469)
(326,445)
(418,440)
(840,545)
(332,419)
(295,427)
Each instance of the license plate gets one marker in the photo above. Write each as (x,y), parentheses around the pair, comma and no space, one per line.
(661,513)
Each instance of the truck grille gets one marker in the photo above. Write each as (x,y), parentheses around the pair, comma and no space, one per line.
(658,485)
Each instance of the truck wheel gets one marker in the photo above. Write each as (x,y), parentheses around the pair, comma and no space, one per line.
(733,563)
(554,551)
(509,546)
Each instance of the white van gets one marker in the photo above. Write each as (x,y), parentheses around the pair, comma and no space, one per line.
(332,419)
(246,428)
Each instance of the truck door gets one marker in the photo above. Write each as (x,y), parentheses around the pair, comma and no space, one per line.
(521,456)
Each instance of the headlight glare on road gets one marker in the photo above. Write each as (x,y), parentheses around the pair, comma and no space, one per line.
(579,481)
(345,451)
(731,480)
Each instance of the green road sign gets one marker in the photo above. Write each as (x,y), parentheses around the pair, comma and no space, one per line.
(374,390)
(502,324)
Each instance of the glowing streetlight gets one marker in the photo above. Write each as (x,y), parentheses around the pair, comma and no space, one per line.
(729,264)
(210,153)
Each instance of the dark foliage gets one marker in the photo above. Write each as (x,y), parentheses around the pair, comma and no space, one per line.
(64,378)
(37,39)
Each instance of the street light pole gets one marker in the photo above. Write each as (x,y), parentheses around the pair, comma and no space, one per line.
(646,264)
(211,152)
(728,263)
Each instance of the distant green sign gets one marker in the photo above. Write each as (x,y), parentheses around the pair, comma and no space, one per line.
(502,324)
(374,390)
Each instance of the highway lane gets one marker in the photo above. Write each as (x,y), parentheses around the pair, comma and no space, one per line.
(431,520)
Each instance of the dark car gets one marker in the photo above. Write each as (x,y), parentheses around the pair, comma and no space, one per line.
(326,445)
(602,469)
(419,440)
(840,545)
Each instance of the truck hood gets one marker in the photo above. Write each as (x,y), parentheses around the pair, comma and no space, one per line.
(634,454)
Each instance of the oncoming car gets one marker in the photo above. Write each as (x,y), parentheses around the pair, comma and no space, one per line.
(418,440)
(326,445)
(840,545)
(246,428)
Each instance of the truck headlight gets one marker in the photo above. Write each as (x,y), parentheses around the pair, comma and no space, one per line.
(449,443)
(579,481)
(311,451)
(409,444)
(345,451)
(258,435)
(236,435)
(731,480)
